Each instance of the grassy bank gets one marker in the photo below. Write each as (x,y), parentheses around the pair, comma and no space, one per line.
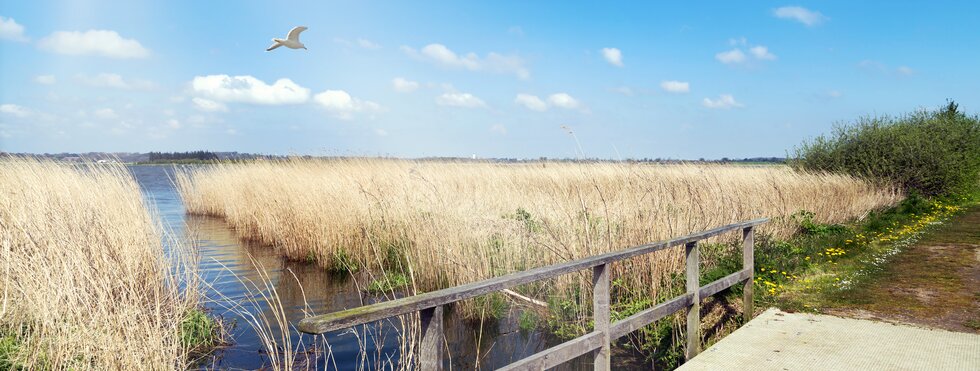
(430,225)
(86,281)
(825,262)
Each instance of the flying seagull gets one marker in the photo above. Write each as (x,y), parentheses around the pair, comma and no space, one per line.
(291,41)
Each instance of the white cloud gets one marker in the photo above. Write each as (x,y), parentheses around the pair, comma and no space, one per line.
(174,124)
(878,67)
(761,52)
(800,14)
(493,62)
(737,56)
(499,129)
(45,79)
(724,101)
(676,86)
(560,100)
(208,105)
(563,100)
(531,102)
(465,100)
(361,42)
(381,132)
(248,89)
(93,42)
(11,30)
(516,31)
(111,80)
(613,56)
(13,109)
(368,44)
(731,56)
(834,94)
(402,85)
(624,90)
(343,106)
(105,113)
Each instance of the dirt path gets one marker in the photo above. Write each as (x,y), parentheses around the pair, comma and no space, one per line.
(935,283)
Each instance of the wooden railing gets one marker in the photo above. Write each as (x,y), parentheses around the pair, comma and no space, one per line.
(430,305)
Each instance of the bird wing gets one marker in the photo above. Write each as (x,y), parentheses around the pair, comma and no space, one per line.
(294,33)
(275,45)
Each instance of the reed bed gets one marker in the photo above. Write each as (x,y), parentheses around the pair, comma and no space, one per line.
(86,280)
(444,224)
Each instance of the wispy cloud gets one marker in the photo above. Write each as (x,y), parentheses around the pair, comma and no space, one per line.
(675,86)
(93,42)
(46,79)
(402,85)
(531,102)
(761,52)
(112,80)
(368,44)
(499,129)
(493,62)
(105,114)
(904,70)
(11,30)
(878,67)
(737,56)
(560,100)
(14,110)
(724,101)
(731,56)
(613,55)
(800,14)
(465,100)
(208,105)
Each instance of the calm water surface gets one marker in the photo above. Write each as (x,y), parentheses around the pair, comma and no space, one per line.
(225,262)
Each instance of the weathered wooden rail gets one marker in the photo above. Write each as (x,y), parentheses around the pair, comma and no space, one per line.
(430,304)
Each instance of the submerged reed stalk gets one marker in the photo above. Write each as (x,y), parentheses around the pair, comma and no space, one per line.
(444,224)
(85,277)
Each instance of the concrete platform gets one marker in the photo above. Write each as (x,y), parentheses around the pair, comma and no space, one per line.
(777,340)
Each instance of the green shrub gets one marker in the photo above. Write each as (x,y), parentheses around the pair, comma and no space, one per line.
(930,152)
(198,330)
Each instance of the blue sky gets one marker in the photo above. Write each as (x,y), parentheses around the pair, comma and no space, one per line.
(494,79)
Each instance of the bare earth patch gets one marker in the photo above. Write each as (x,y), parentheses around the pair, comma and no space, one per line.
(935,283)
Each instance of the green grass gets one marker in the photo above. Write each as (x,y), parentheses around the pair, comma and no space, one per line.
(822,264)
(387,283)
(8,351)
(198,330)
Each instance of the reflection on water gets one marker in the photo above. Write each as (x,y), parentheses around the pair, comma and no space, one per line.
(228,264)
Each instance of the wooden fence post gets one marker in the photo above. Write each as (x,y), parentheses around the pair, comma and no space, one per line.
(600,315)
(748,263)
(692,258)
(433,340)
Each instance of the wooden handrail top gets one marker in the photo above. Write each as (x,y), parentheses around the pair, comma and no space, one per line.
(370,313)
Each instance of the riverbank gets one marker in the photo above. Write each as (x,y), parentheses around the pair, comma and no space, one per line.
(916,264)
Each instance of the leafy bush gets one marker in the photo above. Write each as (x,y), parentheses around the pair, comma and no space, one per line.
(930,152)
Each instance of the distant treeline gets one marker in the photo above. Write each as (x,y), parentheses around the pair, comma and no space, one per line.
(178,156)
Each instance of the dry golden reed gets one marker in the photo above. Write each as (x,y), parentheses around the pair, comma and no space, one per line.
(449,223)
(86,281)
